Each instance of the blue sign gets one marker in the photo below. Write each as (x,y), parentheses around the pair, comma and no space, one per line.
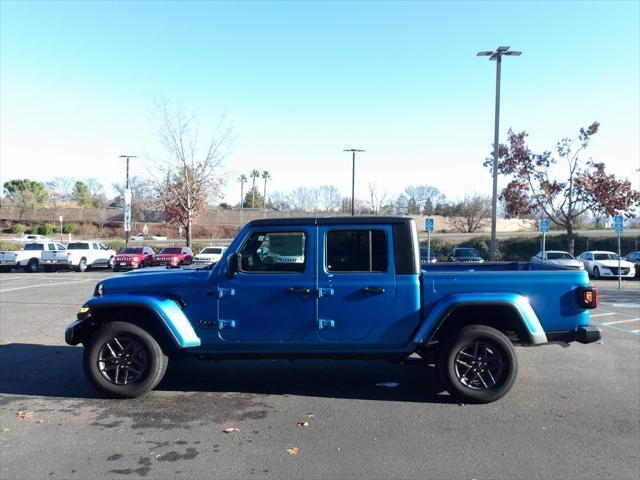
(429,224)
(618,222)
(544,225)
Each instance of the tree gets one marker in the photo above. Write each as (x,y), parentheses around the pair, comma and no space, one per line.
(81,195)
(25,195)
(62,187)
(471,214)
(255,174)
(378,197)
(583,187)
(419,199)
(187,178)
(242,179)
(265,176)
(329,197)
(252,197)
(142,196)
(304,199)
(279,201)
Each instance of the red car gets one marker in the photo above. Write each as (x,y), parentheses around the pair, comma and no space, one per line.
(133,257)
(174,256)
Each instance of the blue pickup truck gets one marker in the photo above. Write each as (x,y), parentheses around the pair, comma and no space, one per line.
(341,287)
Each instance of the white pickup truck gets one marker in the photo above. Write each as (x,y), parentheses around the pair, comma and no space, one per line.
(80,256)
(29,258)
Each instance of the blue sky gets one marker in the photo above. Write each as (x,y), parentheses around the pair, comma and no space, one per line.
(300,81)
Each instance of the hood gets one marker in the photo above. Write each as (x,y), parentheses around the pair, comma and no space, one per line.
(613,263)
(149,278)
(566,262)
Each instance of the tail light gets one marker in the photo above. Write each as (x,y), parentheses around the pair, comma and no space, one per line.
(588,297)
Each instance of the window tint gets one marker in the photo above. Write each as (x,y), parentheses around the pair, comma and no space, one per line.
(212,250)
(34,246)
(171,250)
(52,246)
(78,246)
(60,246)
(356,251)
(274,252)
(96,246)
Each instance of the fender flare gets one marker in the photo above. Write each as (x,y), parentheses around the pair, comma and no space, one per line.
(520,305)
(164,309)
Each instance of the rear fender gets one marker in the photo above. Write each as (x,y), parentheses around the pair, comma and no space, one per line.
(520,305)
(165,310)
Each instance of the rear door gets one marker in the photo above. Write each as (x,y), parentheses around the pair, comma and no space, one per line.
(356,281)
(271,300)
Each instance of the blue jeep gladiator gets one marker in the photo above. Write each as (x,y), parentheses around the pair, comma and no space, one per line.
(341,287)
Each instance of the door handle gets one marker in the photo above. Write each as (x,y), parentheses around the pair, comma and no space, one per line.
(372,290)
(299,290)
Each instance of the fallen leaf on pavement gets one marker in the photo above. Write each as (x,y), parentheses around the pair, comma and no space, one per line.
(25,415)
(231,430)
(293,451)
(302,424)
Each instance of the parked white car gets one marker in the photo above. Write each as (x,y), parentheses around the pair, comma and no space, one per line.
(559,258)
(605,264)
(29,257)
(209,255)
(81,255)
(32,237)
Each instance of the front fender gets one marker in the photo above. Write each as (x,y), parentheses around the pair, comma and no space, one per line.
(165,310)
(519,304)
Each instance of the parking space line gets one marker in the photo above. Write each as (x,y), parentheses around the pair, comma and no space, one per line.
(602,314)
(618,329)
(46,285)
(635,331)
(622,321)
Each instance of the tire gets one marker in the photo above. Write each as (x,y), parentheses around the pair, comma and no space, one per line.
(469,348)
(123,381)
(5,269)
(596,273)
(82,265)
(115,268)
(31,266)
(112,263)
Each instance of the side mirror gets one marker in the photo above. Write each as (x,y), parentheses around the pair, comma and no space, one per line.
(234,264)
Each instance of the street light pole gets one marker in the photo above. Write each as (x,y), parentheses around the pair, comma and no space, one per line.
(497,56)
(353,177)
(127,204)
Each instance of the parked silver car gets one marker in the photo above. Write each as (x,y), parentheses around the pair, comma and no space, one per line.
(558,257)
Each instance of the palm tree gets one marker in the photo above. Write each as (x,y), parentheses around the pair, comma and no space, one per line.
(254,175)
(265,176)
(242,179)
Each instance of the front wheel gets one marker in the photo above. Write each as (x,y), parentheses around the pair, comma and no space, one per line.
(123,360)
(478,364)
(596,273)
(82,265)
(32,266)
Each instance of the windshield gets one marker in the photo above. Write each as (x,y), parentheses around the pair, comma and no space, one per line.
(605,256)
(131,250)
(465,252)
(34,246)
(78,246)
(171,250)
(212,250)
(425,252)
(559,256)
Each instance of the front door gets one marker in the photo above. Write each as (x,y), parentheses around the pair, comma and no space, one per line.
(272,297)
(356,281)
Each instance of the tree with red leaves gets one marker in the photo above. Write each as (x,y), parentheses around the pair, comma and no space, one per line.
(187,178)
(586,187)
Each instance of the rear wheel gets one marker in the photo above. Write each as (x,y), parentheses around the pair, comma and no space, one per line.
(82,265)
(5,269)
(478,364)
(123,360)
(31,266)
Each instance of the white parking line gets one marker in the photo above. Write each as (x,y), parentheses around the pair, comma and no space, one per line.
(46,285)
(622,321)
(602,314)
(635,331)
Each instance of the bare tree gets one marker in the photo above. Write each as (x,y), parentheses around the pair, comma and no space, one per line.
(142,198)
(279,201)
(378,197)
(329,198)
(62,187)
(471,214)
(186,179)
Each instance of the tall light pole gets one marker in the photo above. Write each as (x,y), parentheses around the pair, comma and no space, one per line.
(127,203)
(353,176)
(497,56)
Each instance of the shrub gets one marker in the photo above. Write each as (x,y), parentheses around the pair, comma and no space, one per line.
(46,229)
(18,228)
(116,245)
(9,246)
(69,228)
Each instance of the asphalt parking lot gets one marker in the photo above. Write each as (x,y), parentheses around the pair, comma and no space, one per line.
(573,413)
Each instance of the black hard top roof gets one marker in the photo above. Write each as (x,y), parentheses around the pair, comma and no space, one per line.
(356,220)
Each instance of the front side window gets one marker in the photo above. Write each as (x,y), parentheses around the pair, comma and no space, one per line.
(356,251)
(274,252)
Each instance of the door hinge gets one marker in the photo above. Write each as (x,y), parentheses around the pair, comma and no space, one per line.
(222,292)
(325,292)
(324,323)
(222,324)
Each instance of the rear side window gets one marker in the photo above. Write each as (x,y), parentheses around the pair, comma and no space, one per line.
(78,246)
(356,251)
(274,252)
(34,246)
